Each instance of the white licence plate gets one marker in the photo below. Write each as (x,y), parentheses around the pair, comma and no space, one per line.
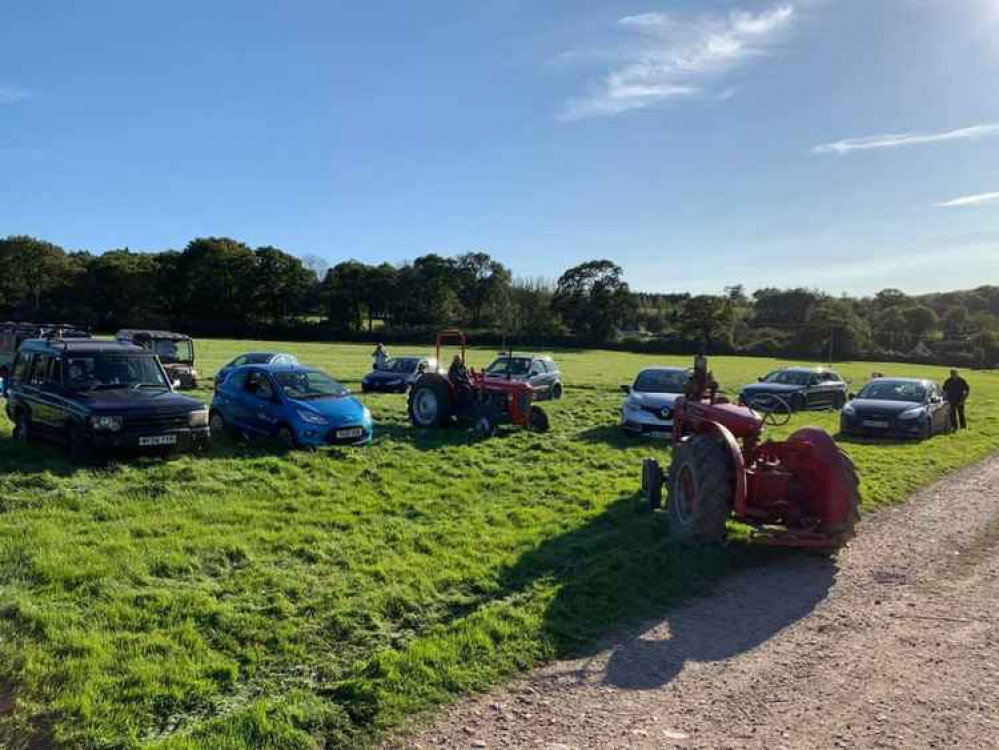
(659,434)
(353,432)
(875,423)
(157,440)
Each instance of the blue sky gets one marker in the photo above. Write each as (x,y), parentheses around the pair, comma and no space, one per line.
(846,145)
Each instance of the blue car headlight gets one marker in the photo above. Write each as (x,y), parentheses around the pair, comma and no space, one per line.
(310,417)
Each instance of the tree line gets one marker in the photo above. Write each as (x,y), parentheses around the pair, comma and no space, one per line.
(220,286)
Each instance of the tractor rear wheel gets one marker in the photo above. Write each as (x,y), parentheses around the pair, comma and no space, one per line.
(842,532)
(430,403)
(702,488)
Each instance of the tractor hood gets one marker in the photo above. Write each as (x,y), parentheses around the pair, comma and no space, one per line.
(872,407)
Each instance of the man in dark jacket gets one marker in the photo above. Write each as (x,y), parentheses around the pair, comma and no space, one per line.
(956,390)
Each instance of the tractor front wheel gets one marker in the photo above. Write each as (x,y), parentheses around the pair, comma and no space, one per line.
(537,420)
(702,488)
(430,402)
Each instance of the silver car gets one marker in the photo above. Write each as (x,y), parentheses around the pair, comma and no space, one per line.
(648,409)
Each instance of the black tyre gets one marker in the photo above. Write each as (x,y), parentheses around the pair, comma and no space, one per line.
(557,391)
(81,450)
(702,489)
(483,428)
(797,402)
(287,438)
(926,431)
(22,427)
(537,420)
(217,425)
(652,483)
(430,403)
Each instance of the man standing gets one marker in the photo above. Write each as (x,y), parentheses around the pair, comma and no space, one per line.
(956,390)
(379,355)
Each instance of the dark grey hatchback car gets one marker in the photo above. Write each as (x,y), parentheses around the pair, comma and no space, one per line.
(100,395)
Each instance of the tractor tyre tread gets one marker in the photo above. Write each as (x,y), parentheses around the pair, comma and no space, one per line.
(715,480)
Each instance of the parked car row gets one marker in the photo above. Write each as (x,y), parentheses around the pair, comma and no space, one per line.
(884,407)
(95,395)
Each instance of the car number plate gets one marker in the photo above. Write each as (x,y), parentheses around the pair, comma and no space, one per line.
(157,440)
(351,433)
(875,423)
(660,434)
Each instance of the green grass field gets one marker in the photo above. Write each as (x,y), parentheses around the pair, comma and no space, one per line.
(249,599)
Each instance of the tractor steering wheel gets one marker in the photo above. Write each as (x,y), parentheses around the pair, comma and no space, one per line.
(776,411)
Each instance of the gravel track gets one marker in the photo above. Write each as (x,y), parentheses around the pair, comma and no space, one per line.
(895,644)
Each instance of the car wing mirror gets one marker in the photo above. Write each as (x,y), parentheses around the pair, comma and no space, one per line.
(625,388)
(851,396)
(759,378)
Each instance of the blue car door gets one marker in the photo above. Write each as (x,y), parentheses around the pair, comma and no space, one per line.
(263,406)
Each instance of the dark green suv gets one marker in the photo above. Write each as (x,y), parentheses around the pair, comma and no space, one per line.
(100,395)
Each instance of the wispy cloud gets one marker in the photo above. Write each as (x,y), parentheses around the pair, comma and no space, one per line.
(9,94)
(896,140)
(671,57)
(970,200)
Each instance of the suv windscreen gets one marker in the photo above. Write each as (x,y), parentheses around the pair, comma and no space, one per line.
(510,366)
(106,371)
(788,377)
(309,384)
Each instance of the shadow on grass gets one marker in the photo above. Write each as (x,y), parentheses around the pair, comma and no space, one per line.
(623,568)
(843,437)
(616,437)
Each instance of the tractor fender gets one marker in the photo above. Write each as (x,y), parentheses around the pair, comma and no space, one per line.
(724,436)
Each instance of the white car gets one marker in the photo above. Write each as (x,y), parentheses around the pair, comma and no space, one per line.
(648,409)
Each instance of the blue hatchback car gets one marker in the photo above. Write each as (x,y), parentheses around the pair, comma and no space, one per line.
(300,406)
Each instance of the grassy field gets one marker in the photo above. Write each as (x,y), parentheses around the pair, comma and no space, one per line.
(247,598)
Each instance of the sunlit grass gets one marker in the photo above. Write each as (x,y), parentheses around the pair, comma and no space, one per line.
(249,598)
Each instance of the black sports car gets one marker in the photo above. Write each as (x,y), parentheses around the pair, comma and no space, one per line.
(896,407)
(801,387)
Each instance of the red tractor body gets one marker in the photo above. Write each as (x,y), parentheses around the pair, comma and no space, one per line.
(799,492)
(436,400)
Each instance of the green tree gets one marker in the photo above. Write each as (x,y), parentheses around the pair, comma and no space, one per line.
(218,277)
(593,299)
(708,319)
(482,281)
(281,283)
(32,268)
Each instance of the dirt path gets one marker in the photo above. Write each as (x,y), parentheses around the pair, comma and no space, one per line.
(895,644)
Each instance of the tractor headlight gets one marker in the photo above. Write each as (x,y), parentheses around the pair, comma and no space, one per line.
(198,418)
(311,417)
(105,424)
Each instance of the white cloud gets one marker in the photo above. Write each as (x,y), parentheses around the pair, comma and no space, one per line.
(970,200)
(673,57)
(895,140)
(9,95)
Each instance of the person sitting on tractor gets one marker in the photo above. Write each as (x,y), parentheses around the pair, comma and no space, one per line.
(956,390)
(457,373)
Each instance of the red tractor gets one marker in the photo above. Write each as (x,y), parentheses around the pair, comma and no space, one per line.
(466,397)
(802,492)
